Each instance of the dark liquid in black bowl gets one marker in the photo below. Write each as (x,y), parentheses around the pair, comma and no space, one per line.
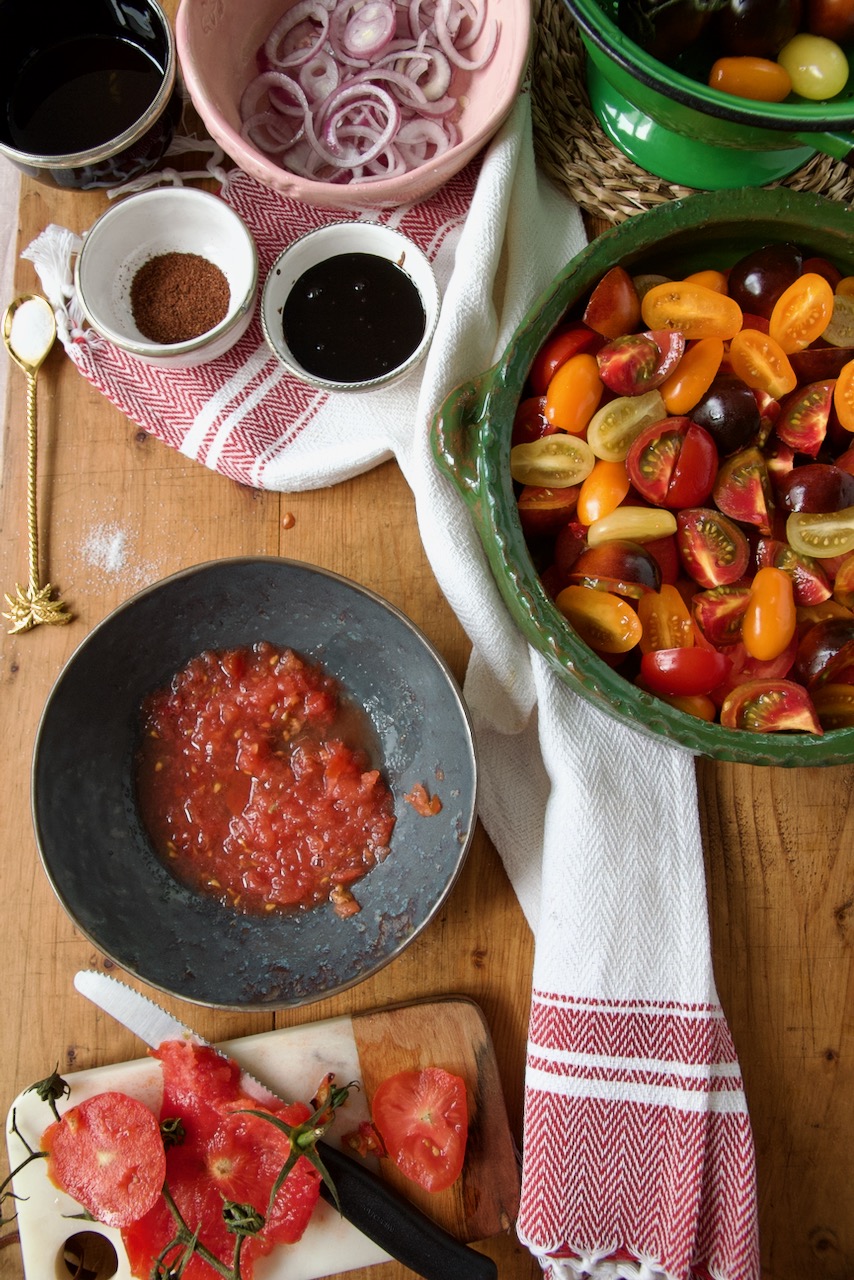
(354,317)
(80,94)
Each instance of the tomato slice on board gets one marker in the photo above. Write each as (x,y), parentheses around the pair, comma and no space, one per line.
(422,1118)
(222,1152)
(107,1154)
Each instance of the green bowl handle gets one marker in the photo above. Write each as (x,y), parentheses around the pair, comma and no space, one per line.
(456,434)
(838,145)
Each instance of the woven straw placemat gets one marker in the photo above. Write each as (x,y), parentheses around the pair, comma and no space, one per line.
(573,150)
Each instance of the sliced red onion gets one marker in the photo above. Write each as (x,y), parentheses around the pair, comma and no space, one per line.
(446,41)
(370,29)
(319,76)
(276,47)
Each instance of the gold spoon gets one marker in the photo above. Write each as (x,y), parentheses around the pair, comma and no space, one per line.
(29,332)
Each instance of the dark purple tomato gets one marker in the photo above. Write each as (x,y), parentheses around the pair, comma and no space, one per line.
(729,413)
(757,280)
(818,486)
(758,28)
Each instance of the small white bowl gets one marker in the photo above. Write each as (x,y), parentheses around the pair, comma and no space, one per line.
(144,226)
(328,242)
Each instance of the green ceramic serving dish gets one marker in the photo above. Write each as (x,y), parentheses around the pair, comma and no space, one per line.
(471,442)
(672,124)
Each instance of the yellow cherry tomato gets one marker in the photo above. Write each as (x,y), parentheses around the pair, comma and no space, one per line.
(693,376)
(602,491)
(636,524)
(693,309)
(603,620)
(761,362)
(666,620)
(552,462)
(574,393)
(744,76)
(770,618)
(817,67)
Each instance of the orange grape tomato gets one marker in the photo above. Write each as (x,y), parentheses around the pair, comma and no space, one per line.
(693,309)
(569,340)
(770,619)
(574,393)
(666,620)
(699,705)
(602,491)
(711,278)
(693,376)
(843,396)
(802,312)
(603,620)
(759,79)
(760,361)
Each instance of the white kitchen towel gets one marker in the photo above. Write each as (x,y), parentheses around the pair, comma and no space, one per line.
(637,1153)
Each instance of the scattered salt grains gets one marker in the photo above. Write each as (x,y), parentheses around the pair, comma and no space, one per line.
(107,548)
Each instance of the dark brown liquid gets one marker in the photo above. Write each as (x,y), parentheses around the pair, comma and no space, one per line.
(80,94)
(352,318)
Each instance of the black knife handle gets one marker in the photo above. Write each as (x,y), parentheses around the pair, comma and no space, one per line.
(398,1226)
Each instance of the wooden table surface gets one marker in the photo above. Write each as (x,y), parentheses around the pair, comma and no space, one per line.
(119,510)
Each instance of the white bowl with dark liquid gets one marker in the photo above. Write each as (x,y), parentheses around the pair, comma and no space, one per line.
(350,306)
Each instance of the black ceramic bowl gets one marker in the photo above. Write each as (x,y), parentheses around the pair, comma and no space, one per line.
(89,94)
(471,441)
(95,849)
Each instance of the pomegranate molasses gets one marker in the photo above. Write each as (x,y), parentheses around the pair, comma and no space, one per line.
(79,94)
(353,318)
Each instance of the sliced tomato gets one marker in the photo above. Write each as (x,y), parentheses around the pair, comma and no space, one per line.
(422,1118)
(713,549)
(768,706)
(666,620)
(802,312)
(684,671)
(605,621)
(107,1154)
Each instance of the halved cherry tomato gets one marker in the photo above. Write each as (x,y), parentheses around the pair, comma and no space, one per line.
(638,362)
(613,427)
(766,706)
(614,306)
(666,621)
(673,463)
(759,360)
(759,79)
(603,620)
(714,550)
(544,511)
(822,535)
(602,491)
(422,1118)
(530,421)
(801,313)
(742,489)
(108,1155)
(719,610)
(840,328)
(834,705)
(843,396)
(555,461)
(621,567)
(561,346)
(769,620)
(693,375)
(804,417)
(573,394)
(693,309)
(683,671)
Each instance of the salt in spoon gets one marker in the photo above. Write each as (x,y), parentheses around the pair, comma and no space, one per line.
(29,332)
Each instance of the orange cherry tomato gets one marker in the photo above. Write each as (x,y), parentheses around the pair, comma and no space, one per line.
(843,396)
(693,376)
(760,361)
(695,310)
(573,394)
(711,278)
(699,705)
(770,618)
(561,346)
(802,312)
(602,491)
(759,79)
(845,286)
(603,620)
(666,620)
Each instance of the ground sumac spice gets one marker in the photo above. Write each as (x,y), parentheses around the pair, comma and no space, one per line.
(178,296)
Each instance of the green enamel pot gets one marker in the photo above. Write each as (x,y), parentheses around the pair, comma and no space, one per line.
(471,443)
(671,123)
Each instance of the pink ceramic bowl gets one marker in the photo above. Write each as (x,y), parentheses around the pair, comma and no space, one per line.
(217,43)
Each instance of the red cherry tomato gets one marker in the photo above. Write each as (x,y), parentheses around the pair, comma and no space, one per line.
(673,463)
(530,421)
(422,1118)
(560,347)
(683,671)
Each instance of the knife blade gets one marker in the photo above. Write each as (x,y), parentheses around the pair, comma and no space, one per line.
(371,1205)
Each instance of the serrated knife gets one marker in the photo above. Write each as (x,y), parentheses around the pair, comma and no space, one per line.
(376,1209)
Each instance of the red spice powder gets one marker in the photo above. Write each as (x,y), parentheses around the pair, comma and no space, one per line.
(178,296)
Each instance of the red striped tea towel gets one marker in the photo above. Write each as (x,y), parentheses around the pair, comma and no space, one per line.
(637,1157)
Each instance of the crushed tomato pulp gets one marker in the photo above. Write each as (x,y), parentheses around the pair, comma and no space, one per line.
(255,783)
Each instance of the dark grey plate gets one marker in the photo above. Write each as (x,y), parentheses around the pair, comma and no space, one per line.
(99,859)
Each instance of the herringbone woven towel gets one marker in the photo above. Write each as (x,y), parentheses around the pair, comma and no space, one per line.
(637,1152)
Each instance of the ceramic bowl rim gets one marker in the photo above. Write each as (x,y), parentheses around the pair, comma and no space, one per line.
(238,306)
(431,302)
